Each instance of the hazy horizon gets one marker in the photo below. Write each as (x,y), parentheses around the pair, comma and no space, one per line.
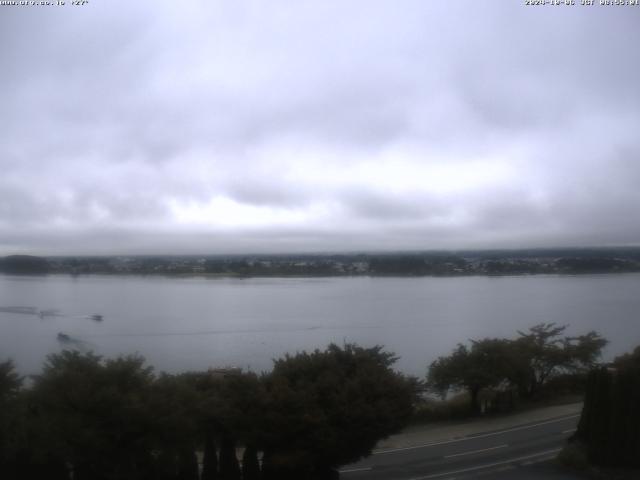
(578,248)
(251,128)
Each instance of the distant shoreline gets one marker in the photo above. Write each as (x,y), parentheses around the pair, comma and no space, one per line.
(427,264)
(220,276)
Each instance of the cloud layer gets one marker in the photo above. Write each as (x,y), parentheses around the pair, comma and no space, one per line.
(251,126)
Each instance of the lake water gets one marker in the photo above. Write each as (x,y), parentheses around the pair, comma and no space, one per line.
(195,323)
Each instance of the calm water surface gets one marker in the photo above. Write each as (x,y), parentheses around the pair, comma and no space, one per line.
(194,323)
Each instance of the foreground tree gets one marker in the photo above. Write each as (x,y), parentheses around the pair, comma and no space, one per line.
(210,458)
(485,364)
(329,408)
(628,361)
(250,464)
(609,426)
(10,419)
(543,352)
(10,381)
(173,402)
(527,362)
(94,415)
(230,405)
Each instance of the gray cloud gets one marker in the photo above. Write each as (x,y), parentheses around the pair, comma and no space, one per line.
(317,126)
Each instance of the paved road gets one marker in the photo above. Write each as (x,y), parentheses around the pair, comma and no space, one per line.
(519,452)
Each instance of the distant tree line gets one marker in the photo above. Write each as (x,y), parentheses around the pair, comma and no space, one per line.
(525,364)
(500,262)
(89,418)
(24,264)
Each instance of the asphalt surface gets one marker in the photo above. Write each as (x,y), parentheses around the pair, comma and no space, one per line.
(520,452)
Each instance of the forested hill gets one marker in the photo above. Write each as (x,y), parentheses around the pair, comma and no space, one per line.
(440,263)
(25,264)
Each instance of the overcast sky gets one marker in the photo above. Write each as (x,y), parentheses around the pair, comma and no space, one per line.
(277,126)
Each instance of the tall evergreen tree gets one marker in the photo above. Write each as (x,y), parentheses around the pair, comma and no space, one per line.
(229,465)
(210,458)
(187,465)
(610,421)
(250,464)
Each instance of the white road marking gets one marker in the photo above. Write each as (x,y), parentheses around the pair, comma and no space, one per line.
(488,465)
(350,470)
(476,451)
(473,437)
(571,430)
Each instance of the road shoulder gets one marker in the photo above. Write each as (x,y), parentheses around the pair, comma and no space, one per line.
(444,431)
